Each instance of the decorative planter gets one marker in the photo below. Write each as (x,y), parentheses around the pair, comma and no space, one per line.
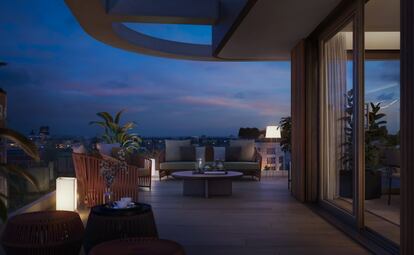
(373,184)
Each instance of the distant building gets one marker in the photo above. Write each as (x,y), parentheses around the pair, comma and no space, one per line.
(273,158)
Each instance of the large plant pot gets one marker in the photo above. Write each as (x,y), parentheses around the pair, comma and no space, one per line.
(373,184)
(345,184)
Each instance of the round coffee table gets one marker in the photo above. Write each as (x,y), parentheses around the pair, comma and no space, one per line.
(207,185)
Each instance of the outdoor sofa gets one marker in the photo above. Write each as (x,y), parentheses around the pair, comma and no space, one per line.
(181,155)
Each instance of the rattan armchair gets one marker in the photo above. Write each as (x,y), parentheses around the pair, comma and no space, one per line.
(91,184)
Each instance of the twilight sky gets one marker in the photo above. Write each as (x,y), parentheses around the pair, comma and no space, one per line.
(59,76)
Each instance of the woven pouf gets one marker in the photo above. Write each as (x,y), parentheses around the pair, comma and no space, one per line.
(43,233)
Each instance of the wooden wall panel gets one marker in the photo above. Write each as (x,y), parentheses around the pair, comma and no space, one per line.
(298,112)
(407,127)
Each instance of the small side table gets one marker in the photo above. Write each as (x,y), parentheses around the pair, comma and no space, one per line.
(141,246)
(47,232)
(105,224)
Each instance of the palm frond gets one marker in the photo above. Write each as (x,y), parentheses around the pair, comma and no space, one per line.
(25,144)
(106,116)
(118,116)
(8,170)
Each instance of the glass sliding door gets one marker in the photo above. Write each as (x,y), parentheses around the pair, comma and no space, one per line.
(337,118)
(382,100)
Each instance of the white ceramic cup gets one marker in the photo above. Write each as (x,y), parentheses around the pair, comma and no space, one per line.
(122,204)
(126,199)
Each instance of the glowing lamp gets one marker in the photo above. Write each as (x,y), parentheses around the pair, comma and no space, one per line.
(66,194)
(273,132)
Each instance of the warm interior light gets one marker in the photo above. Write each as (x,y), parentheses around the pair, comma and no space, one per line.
(66,194)
(273,132)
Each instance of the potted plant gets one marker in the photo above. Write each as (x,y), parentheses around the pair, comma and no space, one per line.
(375,135)
(115,134)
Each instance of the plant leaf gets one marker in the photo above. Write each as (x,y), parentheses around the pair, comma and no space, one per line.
(15,170)
(118,116)
(24,143)
(106,116)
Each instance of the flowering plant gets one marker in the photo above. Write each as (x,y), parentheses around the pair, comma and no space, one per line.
(109,167)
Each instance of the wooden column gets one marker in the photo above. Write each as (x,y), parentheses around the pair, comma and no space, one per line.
(407,127)
(298,112)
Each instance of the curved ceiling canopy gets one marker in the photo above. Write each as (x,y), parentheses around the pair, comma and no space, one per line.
(105,20)
(196,34)
(247,30)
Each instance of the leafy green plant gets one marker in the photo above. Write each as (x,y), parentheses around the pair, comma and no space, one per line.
(114,132)
(7,170)
(375,135)
(348,156)
(286,134)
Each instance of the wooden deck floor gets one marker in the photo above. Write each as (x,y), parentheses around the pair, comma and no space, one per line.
(260,218)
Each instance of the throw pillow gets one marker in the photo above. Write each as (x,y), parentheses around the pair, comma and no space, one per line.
(172,149)
(200,153)
(79,148)
(187,153)
(233,154)
(219,153)
(106,148)
(247,149)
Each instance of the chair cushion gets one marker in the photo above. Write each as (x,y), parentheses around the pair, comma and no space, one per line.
(247,149)
(187,153)
(241,166)
(219,153)
(182,165)
(172,149)
(106,148)
(233,154)
(79,148)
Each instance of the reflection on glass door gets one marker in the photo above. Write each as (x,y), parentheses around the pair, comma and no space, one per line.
(382,100)
(337,119)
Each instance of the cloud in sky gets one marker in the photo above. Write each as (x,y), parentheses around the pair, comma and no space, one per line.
(59,76)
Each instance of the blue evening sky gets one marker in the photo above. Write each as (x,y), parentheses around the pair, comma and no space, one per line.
(60,76)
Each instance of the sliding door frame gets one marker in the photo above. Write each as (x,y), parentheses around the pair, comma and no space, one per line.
(346,12)
(353,10)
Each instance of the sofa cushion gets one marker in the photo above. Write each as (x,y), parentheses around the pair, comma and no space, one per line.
(200,153)
(172,149)
(187,153)
(233,154)
(241,166)
(182,165)
(247,149)
(219,153)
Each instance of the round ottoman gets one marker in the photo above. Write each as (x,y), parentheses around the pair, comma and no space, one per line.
(138,246)
(48,232)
